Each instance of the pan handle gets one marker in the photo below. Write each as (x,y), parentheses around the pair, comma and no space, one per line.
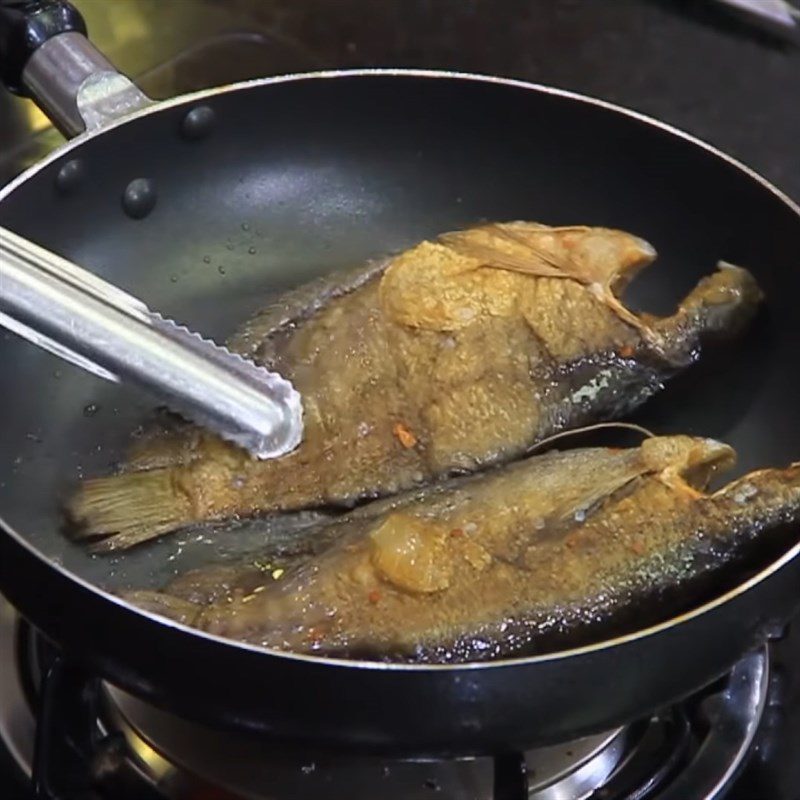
(45,55)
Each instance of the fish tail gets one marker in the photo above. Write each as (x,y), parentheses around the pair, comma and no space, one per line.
(166,605)
(170,442)
(721,304)
(767,496)
(719,307)
(123,510)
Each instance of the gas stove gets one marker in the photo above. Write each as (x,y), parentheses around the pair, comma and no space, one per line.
(66,734)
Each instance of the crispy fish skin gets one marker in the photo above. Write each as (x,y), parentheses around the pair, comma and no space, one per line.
(484,566)
(452,356)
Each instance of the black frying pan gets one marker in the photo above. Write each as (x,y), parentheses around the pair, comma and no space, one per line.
(262,185)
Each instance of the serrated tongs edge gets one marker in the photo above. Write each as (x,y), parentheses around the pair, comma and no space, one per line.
(81,318)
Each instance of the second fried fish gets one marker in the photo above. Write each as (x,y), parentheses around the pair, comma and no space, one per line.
(557,548)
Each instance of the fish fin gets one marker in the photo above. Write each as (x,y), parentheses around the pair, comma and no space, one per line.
(530,259)
(683,464)
(301,303)
(592,499)
(163,604)
(128,509)
(131,537)
(163,445)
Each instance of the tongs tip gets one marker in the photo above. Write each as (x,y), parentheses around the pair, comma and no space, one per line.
(283,438)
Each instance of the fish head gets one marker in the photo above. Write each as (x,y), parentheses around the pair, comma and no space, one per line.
(694,459)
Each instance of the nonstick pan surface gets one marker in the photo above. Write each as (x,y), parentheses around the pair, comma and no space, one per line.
(299,176)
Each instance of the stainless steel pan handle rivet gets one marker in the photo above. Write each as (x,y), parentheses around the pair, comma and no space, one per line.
(198,123)
(70,176)
(139,198)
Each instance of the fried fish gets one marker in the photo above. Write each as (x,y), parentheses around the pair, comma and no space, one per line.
(490,565)
(452,356)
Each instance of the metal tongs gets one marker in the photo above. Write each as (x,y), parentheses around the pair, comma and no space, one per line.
(777,17)
(85,320)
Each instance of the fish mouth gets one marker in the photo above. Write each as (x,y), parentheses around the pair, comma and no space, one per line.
(687,461)
(638,255)
(707,460)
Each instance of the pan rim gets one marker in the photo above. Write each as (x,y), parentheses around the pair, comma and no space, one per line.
(561,655)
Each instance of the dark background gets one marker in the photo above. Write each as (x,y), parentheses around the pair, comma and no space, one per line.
(684,61)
